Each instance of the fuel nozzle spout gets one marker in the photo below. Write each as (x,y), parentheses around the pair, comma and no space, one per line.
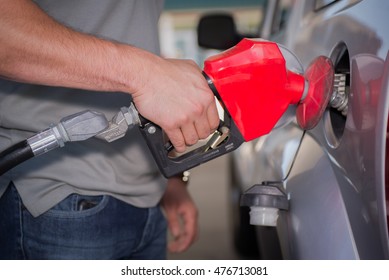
(339,97)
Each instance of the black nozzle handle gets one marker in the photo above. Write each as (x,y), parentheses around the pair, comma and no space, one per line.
(174,165)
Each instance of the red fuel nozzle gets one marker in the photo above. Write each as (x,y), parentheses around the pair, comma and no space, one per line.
(254,85)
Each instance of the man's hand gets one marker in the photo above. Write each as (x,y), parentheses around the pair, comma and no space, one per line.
(176,96)
(181,214)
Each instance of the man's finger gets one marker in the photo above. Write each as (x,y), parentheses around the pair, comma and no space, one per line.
(213,117)
(177,139)
(190,134)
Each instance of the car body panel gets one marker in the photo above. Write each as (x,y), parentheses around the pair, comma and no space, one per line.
(318,226)
(335,180)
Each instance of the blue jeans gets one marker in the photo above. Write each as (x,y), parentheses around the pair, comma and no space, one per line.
(81,227)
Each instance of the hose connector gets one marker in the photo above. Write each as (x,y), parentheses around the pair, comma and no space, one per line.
(77,127)
(125,119)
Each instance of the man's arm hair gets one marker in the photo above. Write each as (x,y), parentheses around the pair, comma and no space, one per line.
(37,49)
(172,93)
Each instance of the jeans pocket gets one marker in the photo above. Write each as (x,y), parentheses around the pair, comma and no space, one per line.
(76,205)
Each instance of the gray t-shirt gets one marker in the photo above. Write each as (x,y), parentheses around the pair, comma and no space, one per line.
(123,169)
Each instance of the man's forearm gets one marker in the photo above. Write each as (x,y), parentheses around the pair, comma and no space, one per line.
(37,49)
(172,93)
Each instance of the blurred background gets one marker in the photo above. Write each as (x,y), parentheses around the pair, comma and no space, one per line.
(178,23)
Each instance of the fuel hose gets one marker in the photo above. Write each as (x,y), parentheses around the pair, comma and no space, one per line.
(77,127)
(15,155)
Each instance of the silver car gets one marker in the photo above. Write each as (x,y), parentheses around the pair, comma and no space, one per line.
(334,177)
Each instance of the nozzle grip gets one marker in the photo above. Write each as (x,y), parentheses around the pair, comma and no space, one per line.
(170,166)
